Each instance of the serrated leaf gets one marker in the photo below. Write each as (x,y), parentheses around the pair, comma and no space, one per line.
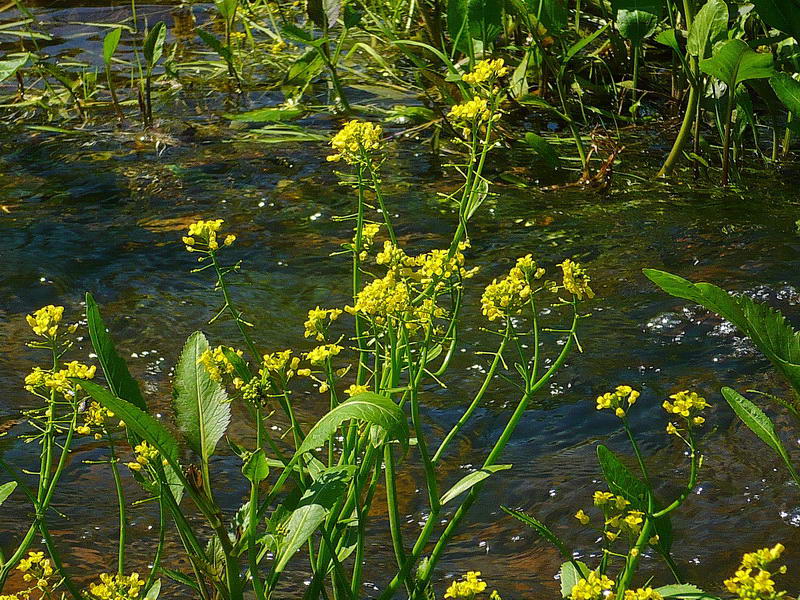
(471,480)
(570,576)
(154,43)
(539,527)
(367,406)
(787,90)
(684,591)
(6,490)
(110,43)
(202,409)
(759,423)
(311,512)
(119,378)
(710,25)
(620,480)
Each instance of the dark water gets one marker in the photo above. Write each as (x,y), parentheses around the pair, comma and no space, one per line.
(104,212)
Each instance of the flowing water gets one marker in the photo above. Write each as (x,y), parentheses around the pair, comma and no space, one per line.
(104,212)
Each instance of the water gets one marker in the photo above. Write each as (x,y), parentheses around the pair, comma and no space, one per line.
(105,211)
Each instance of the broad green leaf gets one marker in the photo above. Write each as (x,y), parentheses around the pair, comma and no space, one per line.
(367,406)
(684,591)
(271,114)
(10,66)
(734,62)
(255,467)
(470,480)
(783,15)
(710,25)
(544,149)
(119,378)
(110,43)
(787,90)
(304,69)
(768,328)
(570,576)
(636,25)
(474,19)
(212,42)
(154,43)
(324,13)
(202,408)
(669,38)
(311,512)
(6,490)
(759,423)
(620,480)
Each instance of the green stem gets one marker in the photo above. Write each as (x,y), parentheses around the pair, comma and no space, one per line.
(123,521)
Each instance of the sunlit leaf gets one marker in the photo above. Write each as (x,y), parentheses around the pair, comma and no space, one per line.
(469,481)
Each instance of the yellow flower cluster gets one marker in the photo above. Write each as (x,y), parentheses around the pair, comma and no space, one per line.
(354,390)
(468,587)
(382,298)
(145,454)
(646,593)
(576,281)
(687,405)
(318,320)
(203,236)
(507,296)
(60,380)
(368,233)
(620,400)
(753,580)
(356,141)
(37,573)
(616,515)
(117,587)
(216,363)
(485,70)
(94,416)
(277,361)
(472,111)
(44,321)
(593,587)
(320,354)
(438,265)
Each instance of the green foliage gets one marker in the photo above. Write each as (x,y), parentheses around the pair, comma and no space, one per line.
(471,480)
(734,62)
(710,26)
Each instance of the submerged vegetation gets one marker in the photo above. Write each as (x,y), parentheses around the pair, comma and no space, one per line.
(322,495)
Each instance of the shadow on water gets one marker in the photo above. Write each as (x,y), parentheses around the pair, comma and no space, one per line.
(105,213)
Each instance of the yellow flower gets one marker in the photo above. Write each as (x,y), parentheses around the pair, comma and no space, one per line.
(507,296)
(593,587)
(216,362)
(582,517)
(753,580)
(602,498)
(647,593)
(468,587)
(277,361)
(633,521)
(686,404)
(576,281)
(203,236)
(320,354)
(671,429)
(485,70)
(318,320)
(619,400)
(354,390)
(94,416)
(44,321)
(472,111)
(117,587)
(356,141)
(60,380)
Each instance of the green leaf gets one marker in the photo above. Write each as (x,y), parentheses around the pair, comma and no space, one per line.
(620,480)
(267,115)
(10,66)
(367,406)
(255,467)
(227,8)
(471,480)
(119,378)
(668,37)
(767,327)
(110,43)
(154,43)
(552,14)
(636,25)
(6,490)
(474,19)
(154,591)
(783,15)
(540,528)
(544,149)
(240,366)
(312,511)
(759,423)
(684,591)
(570,576)
(202,408)
(787,90)
(734,62)
(710,25)
(212,42)
(324,13)
(581,44)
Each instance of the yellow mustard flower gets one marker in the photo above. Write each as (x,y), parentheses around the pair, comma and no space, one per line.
(117,587)
(753,579)
(216,362)
(582,517)
(203,236)
(95,415)
(316,325)
(619,400)
(646,593)
(45,321)
(593,587)
(576,281)
(145,454)
(485,71)
(356,142)
(467,587)
(471,112)
(354,390)
(320,354)
(507,296)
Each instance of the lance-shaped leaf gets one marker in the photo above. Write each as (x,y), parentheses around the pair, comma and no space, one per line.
(471,480)
(202,408)
(324,13)
(154,43)
(367,406)
(119,378)
(312,511)
(684,591)
(710,25)
(6,490)
(787,90)
(110,43)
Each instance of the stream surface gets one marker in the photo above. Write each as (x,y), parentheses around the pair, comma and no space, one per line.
(103,211)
